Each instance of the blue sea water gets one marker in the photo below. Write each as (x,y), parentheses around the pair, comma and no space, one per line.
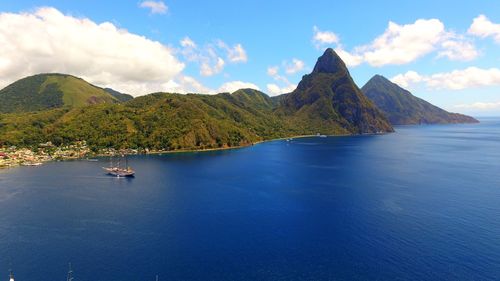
(419,204)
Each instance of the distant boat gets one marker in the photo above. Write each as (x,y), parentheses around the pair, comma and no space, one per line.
(119,171)
(320,135)
(11,275)
(70,273)
(33,164)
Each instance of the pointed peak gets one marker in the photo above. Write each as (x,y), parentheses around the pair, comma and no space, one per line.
(329,62)
(379,78)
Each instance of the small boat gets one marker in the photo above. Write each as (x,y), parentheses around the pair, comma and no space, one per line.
(70,274)
(118,171)
(33,164)
(11,275)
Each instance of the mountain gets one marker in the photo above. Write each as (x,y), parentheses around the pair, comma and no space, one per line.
(403,108)
(46,91)
(119,96)
(329,102)
(326,101)
(155,121)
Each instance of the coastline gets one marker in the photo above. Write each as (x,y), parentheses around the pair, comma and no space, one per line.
(156,152)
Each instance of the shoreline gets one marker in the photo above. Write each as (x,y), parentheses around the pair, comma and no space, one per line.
(154,152)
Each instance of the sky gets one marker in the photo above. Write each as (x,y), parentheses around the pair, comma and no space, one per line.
(446,52)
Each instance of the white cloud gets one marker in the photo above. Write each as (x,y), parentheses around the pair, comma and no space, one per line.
(236,85)
(209,56)
(207,70)
(482,106)
(295,66)
(275,90)
(236,54)
(186,42)
(272,71)
(481,26)
(402,44)
(48,41)
(350,60)
(470,77)
(407,79)
(322,38)
(458,49)
(155,7)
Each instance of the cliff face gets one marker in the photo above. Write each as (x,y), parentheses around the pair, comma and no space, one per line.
(329,102)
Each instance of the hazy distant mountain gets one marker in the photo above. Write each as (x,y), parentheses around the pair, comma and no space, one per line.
(118,95)
(46,91)
(328,101)
(402,108)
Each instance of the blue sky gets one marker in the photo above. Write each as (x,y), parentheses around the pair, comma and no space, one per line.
(430,47)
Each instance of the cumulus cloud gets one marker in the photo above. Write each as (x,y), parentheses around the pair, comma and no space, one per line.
(155,7)
(322,38)
(207,70)
(209,56)
(458,49)
(455,80)
(275,90)
(482,106)
(482,27)
(235,54)
(236,85)
(405,43)
(350,60)
(295,66)
(401,44)
(407,79)
(48,41)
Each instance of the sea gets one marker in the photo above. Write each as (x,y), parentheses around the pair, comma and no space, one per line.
(422,203)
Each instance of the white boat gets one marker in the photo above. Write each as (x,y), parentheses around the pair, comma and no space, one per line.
(32,164)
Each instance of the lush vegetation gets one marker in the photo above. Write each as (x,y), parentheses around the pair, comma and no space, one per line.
(156,121)
(326,101)
(402,108)
(47,91)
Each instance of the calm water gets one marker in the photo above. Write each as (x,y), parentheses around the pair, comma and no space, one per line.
(419,204)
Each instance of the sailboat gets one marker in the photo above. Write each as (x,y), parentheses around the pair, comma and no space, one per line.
(119,171)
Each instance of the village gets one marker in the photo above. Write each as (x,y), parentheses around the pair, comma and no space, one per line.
(13,156)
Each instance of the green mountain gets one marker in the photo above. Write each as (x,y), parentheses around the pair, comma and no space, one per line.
(46,91)
(402,108)
(329,102)
(119,96)
(326,101)
(156,121)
